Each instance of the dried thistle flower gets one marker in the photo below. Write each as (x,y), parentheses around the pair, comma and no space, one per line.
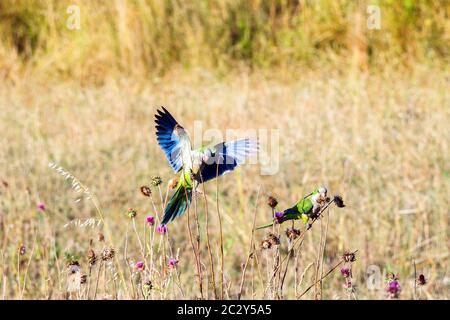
(92,257)
(147,285)
(5,183)
(265,244)
(22,250)
(101,237)
(131,213)
(156,181)
(421,281)
(173,183)
(273,239)
(349,257)
(272,202)
(146,191)
(108,253)
(292,234)
(391,276)
(339,201)
(83,279)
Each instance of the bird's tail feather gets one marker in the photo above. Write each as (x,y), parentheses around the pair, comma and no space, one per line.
(177,204)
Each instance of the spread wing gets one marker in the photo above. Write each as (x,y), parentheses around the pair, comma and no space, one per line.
(167,139)
(225,157)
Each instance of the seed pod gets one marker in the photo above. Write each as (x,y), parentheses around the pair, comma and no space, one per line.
(92,257)
(292,234)
(108,253)
(339,201)
(146,191)
(272,202)
(131,213)
(156,181)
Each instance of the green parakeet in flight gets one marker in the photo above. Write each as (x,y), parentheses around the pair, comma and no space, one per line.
(304,209)
(196,166)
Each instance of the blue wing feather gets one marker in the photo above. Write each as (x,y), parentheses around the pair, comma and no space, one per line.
(167,140)
(226,156)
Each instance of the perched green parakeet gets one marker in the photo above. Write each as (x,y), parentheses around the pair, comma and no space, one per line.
(304,209)
(196,166)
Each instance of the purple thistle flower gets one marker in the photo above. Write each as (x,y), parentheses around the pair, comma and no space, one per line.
(394,288)
(41,206)
(161,229)
(173,263)
(150,220)
(140,265)
(279,216)
(345,272)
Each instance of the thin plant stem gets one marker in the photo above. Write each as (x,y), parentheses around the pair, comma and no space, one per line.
(319,253)
(249,256)
(98,278)
(139,238)
(197,262)
(221,233)
(324,276)
(208,245)
(415,280)
(28,265)
(327,220)
(89,281)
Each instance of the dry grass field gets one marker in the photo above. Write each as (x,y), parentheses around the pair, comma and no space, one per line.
(78,143)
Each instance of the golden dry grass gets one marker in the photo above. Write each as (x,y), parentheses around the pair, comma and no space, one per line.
(380,140)
(135,38)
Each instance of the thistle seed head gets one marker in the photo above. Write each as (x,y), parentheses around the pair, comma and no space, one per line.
(272,202)
(349,257)
(156,181)
(265,244)
(147,285)
(339,201)
(273,239)
(421,281)
(108,253)
(293,233)
(131,213)
(146,191)
(92,257)
(22,250)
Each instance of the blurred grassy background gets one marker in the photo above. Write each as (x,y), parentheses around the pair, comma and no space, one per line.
(142,38)
(364,112)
